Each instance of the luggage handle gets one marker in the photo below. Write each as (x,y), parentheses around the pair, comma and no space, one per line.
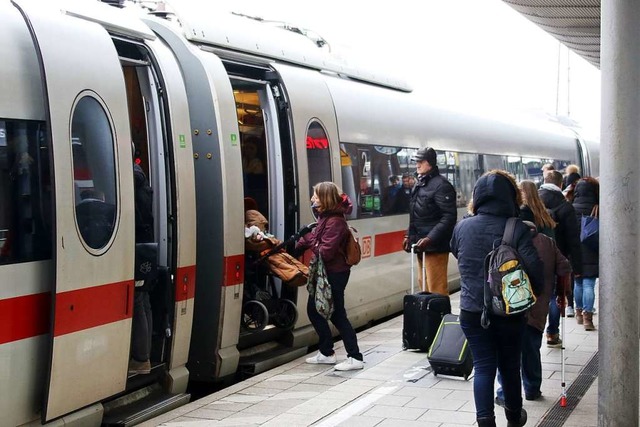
(424,270)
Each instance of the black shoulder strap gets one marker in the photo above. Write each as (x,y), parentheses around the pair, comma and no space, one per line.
(509,231)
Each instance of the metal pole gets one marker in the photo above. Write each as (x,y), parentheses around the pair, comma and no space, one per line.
(618,390)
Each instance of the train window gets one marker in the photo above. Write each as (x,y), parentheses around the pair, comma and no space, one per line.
(318,156)
(515,167)
(469,172)
(378,179)
(94,172)
(25,192)
(490,162)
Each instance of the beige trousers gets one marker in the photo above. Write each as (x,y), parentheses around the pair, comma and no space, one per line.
(436,267)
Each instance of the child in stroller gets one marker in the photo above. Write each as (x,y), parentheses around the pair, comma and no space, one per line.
(266,260)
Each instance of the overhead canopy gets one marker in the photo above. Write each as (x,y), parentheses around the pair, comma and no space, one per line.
(575,23)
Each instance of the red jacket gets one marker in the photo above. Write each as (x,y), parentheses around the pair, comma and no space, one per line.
(328,239)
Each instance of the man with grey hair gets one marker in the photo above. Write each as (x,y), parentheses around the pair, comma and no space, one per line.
(567,233)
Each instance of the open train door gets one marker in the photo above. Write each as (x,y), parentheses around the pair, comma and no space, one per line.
(93,210)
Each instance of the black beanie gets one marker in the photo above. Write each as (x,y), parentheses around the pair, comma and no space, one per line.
(428,154)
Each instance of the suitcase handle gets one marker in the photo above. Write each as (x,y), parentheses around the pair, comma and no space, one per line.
(424,270)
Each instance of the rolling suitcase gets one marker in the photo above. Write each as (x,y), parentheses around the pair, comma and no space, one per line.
(449,353)
(422,313)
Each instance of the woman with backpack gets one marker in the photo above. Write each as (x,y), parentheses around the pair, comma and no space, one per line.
(585,202)
(496,198)
(328,241)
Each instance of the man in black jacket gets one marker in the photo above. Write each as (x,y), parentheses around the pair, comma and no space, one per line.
(567,239)
(432,216)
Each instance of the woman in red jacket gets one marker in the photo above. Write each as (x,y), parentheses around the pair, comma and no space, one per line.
(327,241)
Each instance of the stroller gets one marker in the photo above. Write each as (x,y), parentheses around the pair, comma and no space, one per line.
(266,260)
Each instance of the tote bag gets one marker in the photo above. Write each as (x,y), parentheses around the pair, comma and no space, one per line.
(319,288)
(590,230)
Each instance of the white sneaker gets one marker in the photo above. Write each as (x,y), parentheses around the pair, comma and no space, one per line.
(321,359)
(570,312)
(350,364)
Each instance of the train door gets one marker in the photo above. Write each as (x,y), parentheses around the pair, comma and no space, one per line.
(93,230)
(268,181)
(155,99)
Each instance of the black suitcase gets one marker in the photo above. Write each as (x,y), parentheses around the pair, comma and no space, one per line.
(422,316)
(449,353)
(423,313)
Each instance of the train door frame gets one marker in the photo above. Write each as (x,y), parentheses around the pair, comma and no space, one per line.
(93,288)
(170,164)
(151,144)
(282,177)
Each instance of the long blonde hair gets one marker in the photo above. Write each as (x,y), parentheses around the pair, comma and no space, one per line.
(531,198)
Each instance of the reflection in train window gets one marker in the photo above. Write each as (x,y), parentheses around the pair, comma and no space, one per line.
(25,192)
(318,156)
(379,179)
(94,176)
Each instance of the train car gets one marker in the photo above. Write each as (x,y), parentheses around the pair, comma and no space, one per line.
(223,113)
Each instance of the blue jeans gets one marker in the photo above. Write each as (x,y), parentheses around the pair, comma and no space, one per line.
(338,282)
(498,347)
(531,363)
(554,317)
(584,293)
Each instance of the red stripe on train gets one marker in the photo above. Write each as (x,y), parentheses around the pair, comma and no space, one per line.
(24,317)
(185,283)
(388,243)
(86,308)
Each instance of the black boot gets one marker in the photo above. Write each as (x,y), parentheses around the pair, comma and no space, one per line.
(516,418)
(486,422)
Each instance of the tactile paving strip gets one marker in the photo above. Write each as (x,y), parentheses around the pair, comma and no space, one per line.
(556,416)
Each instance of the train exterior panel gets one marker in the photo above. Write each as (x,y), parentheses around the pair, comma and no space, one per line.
(222,113)
(182,199)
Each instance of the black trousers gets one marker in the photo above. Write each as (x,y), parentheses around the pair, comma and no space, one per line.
(338,282)
(142,326)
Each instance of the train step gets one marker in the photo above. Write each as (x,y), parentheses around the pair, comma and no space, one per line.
(252,362)
(141,405)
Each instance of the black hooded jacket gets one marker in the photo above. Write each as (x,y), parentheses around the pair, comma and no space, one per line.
(474,237)
(567,231)
(585,198)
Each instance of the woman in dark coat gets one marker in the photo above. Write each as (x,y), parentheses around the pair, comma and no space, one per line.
(495,199)
(327,241)
(586,196)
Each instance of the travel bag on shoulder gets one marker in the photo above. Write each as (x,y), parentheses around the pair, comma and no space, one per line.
(423,312)
(449,353)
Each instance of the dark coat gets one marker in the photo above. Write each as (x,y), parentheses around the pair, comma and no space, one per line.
(555,264)
(432,211)
(474,237)
(328,239)
(585,198)
(568,229)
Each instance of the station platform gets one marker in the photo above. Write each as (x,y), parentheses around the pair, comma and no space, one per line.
(396,388)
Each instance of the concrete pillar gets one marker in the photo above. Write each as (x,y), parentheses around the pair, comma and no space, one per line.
(618,317)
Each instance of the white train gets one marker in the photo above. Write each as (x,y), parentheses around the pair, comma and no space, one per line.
(83,80)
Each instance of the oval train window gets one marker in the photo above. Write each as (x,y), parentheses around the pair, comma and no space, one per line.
(94,172)
(318,156)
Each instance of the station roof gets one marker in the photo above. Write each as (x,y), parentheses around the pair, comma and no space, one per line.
(575,23)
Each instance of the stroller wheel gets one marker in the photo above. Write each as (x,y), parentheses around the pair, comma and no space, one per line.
(285,314)
(254,316)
